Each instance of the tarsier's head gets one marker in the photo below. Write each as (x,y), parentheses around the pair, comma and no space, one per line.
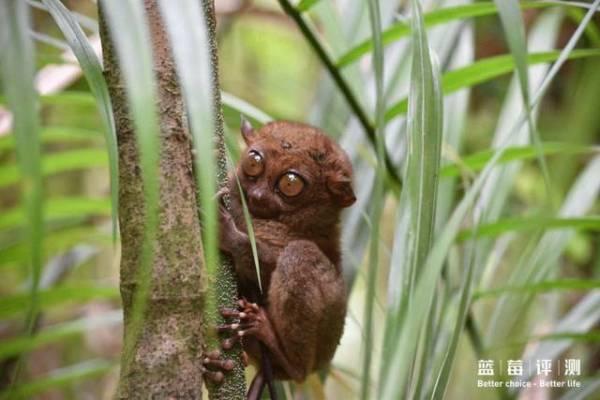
(291,168)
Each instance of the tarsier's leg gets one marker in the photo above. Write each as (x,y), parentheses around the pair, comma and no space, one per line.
(254,322)
(298,297)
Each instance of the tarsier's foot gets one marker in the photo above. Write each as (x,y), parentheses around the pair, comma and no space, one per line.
(252,320)
(215,368)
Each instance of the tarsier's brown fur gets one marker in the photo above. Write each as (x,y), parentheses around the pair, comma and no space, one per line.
(299,316)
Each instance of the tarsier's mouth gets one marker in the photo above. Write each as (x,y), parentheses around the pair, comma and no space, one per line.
(262,211)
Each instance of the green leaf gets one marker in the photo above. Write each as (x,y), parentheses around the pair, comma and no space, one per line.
(57,209)
(59,378)
(16,250)
(465,298)
(305,5)
(52,164)
(510,225)
(414,233)
(514,31)
(58,332)
(377,199)
(54,134)
(487,69)
(92,70)
(475,162)
(14,305)
(541,287)
(403,348)
(437,17)
(238,106)
(251,235)
(537,262)
(17,74)
(576,326)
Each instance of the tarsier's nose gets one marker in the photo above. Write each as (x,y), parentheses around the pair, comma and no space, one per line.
(261,203)
(259,198)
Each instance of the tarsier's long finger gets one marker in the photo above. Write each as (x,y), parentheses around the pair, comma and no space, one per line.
(230,342)
(246,306)
(252,330)
(234,327)
(230,313)
(225,365)
(215,377)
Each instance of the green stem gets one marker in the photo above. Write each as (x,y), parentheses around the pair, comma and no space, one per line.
(340,82)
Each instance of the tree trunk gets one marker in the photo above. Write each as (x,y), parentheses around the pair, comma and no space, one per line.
(167,357)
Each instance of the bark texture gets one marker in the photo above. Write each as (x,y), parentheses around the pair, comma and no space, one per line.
(167,357)
(225,286)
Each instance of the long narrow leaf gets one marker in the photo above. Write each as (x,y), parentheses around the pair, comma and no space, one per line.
(17,69)
(438,17)
(514,31)
(60,378)
(475,162)
(511,225)
(92,70)
(416,218)
(66,161)
(11,306)
(542,287)
(487,69)
(58,332)
(378,197)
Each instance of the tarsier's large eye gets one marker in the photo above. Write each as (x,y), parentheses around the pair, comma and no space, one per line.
(290,184)
(253,165)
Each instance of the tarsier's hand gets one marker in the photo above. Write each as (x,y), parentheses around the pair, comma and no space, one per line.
(229,234)
(252,321)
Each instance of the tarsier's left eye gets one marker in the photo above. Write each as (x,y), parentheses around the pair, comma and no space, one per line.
(290,184)
(253,165)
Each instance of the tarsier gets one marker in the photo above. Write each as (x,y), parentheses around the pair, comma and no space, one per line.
(296,181)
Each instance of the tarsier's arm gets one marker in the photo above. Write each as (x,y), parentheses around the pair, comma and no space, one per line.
(236,242)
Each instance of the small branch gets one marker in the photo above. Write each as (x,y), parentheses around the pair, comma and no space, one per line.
(339,81)
(224,286)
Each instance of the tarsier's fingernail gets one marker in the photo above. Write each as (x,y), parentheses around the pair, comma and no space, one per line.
(228,365)
(228,343)
(243,315)
(241,333)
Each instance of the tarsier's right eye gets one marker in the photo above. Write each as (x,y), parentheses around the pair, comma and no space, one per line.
(253,165)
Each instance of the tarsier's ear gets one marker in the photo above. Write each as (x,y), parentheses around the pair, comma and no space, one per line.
(247,130)
(341,190)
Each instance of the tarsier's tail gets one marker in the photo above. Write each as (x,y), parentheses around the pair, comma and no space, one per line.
(263,378)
